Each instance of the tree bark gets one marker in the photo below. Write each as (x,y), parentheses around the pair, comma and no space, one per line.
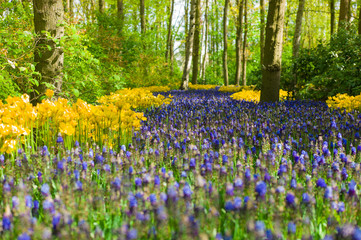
(169,35)
(298,29)
(261,39)
(359,21)
(203,69)
(142,17)
(120,12)
(189,47)
(244,57)
(344,17)
(101,6)
(271,72)
(239,43)
(225,45)
(48,55)
(196,43)
(332,10)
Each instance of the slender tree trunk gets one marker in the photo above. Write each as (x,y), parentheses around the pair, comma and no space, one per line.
(271,72)
(298,29)
(189,47)
(48,56)
(196,43)
(345,14)
(120,12)
(225,45)
(261,39)
(359,21)
(203,70)
(244,57)
(332,10)
(169,35)
(239,42)
(101,6)
(171,53)
(217,41)
(142,17)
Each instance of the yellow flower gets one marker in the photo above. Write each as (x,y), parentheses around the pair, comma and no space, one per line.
(49,93)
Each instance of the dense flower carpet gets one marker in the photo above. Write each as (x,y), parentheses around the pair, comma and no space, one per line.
(203,166)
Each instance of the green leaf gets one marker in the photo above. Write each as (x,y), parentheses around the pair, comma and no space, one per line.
(76,92)
(22,69)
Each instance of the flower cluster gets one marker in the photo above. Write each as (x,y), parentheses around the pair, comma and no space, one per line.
(201,86)
(156,88)
(114,114)
(254,95)
(204,166)
(344,101)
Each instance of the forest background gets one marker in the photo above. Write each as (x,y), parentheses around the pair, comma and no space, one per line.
(109,45)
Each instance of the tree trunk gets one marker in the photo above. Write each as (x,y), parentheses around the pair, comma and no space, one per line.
(244,57)
(196,43)
(271,71)
(142,17)
(239,43)
(189,47)
(169,35)
(203,69)
(101,6)
(359,21)
(225,45)
(332,10)
(298,29)
(344,16)
(120,12)
(261,39)
(48,55)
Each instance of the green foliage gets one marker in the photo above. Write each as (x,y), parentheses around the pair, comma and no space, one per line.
(17,71)
(330,68)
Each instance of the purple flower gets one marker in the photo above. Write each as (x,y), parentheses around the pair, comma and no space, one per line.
(290,199)
(132,234)
(328,193)
(291,227)
(261,188)
(59,139)
(321,183)
(56,220)
(153,199)
(187,192)
(352,188)
(6,223)
(79,186)
(138,182)
(45,189)
(228,206)
(24,236)
(28,201)
(306,198)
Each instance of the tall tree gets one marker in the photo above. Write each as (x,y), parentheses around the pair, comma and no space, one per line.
(298,28)
(261,38)
(225,45)
(142,16)
(169,34)
(244,57)
(101,6)
(189,47)
(271,72)
(205,34)
(239,43)
(120,12)
(332,10)
(359,21)
(345,13)
(48,55)
(196,42)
